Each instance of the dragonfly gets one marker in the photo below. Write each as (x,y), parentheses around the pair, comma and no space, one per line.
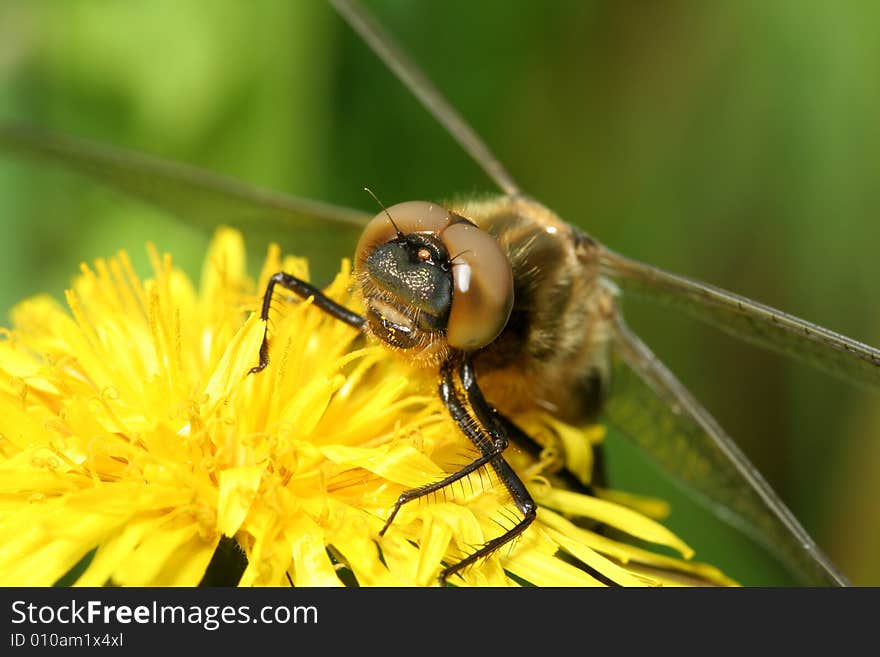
(656,411)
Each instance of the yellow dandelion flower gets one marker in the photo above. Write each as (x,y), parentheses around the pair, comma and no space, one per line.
(133,442)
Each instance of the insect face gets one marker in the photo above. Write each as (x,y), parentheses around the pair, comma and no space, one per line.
(432,281)
(408,289)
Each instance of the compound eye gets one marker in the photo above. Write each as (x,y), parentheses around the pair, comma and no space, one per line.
(482,297)
(409,217)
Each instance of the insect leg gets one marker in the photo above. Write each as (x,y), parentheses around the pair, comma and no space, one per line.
(490,438)
(305,290)
(496,425)
(488,448)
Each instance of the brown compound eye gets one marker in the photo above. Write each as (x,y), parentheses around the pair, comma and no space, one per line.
(482,280)
(483,294)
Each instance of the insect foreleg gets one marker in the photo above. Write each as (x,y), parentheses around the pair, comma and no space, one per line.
(488,435)
(489,449)
(305,290)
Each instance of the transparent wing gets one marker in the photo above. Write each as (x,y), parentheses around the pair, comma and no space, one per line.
(423,89)
(195,195)
(749,320)
(649,406)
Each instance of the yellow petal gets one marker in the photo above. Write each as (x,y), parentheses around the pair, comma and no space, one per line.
(400,463)
(596,561)
(111,554)
(237,360)
(148,559)
(626,520)
(311,565)
(238,490)
(545,570)
(188,565)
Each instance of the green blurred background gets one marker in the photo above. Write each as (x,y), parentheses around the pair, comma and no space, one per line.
(735,142)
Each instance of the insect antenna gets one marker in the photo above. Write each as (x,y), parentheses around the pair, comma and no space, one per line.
(388,214)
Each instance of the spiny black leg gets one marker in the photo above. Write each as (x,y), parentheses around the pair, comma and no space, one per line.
(304,290)
(489,437)
(523,502)
(488,447)
(489,418)
(499,427)
(487,415)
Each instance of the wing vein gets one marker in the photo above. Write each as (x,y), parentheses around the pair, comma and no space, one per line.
(170,185)
(687,441)
(394,57)
(749,320)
